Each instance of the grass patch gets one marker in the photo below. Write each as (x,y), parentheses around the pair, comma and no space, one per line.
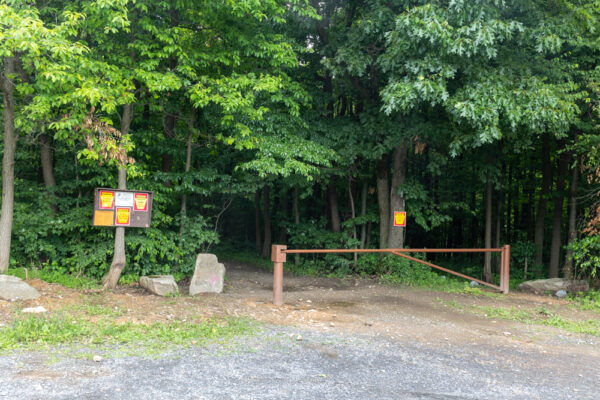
(39,332)
(66,280)
(588,301)
(540,316)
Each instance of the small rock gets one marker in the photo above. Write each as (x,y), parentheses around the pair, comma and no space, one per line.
(473,284)
(14,288)
(299,338)
(507,333)
(160,285)
(368,323)
(34,310)
(97,358)
(331,324)
(194,342)
(561,293)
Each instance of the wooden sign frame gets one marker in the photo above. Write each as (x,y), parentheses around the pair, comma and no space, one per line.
(124,208)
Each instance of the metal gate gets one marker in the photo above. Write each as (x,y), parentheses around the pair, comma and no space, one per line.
(279,253)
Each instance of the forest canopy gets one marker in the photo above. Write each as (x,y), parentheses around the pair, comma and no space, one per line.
(306,123)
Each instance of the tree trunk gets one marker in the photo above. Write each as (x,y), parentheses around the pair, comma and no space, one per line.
(499,219)
(568,268)
(266,250)
(169,122)
(333,206)
(383,201)
(563,165)
(353,215)
(296,220)
(119,257)
(283,200)
(188,166)
(48,171)
(257,233)
(487,267)
(363,212)
(541,212)
(396,235)
(8,163)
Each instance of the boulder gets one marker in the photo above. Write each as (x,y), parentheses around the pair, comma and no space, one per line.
(208,275)
(13,288)
(160,285)
(553,285)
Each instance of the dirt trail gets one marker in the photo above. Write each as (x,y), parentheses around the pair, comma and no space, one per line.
(328,304)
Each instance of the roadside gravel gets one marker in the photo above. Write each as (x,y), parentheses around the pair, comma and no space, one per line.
(293,363)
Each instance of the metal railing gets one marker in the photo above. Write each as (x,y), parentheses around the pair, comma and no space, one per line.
(279,253)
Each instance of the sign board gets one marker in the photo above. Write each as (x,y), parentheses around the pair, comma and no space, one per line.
(400,218)
(127,208)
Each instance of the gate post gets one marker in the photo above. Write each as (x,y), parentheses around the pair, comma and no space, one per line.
(506,276)
(278,257)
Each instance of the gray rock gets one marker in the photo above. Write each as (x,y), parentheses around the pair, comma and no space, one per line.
(13,288)
(160,285)
(561,293)
(552,285)
(473,284)
(208,275)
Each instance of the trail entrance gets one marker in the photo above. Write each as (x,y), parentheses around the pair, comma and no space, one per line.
(279,253)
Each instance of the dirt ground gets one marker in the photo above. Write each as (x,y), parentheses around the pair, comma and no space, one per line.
(362,306)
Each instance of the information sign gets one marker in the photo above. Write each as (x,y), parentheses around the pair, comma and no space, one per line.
(126,208)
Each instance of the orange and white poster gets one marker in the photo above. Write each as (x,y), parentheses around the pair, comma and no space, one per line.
(123,216)
(107,200)
(140,202)
(399,218)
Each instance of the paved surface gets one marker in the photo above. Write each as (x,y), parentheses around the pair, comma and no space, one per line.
(276,365)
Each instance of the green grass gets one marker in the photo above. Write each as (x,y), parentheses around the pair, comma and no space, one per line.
(588,301)
(66,280)
(541,316)
(41,332)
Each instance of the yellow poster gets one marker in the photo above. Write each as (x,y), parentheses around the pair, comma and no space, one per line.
(104,218)
(123,216)
(400,218)
(141,202)
(107,199)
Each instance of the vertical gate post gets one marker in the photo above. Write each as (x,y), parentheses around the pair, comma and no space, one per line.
(278,257)
(506,275)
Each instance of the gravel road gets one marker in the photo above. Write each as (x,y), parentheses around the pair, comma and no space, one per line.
(275,364)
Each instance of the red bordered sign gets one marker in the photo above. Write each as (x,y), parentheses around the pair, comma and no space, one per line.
(106,200)
(400,218)
(123,217)
(140,202)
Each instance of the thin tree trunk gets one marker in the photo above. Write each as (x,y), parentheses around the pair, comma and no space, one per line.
(353,214)
(383,201)
(283,200)
(296,220)
(169,122)
(266,250)
(188,166)
(363,212)
(396,235)
(333,206)
(541,212)
(487,267)
(48,171)
(119,257)
(499,219)
(572,233)
(8,162)
(257,233)
(563,165)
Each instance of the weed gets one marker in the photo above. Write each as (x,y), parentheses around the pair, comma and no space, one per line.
(70,281)
(588,301)
(34,332)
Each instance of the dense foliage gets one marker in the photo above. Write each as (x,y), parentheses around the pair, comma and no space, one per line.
(305,123)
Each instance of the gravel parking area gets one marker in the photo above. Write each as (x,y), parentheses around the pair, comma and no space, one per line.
(294,363)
